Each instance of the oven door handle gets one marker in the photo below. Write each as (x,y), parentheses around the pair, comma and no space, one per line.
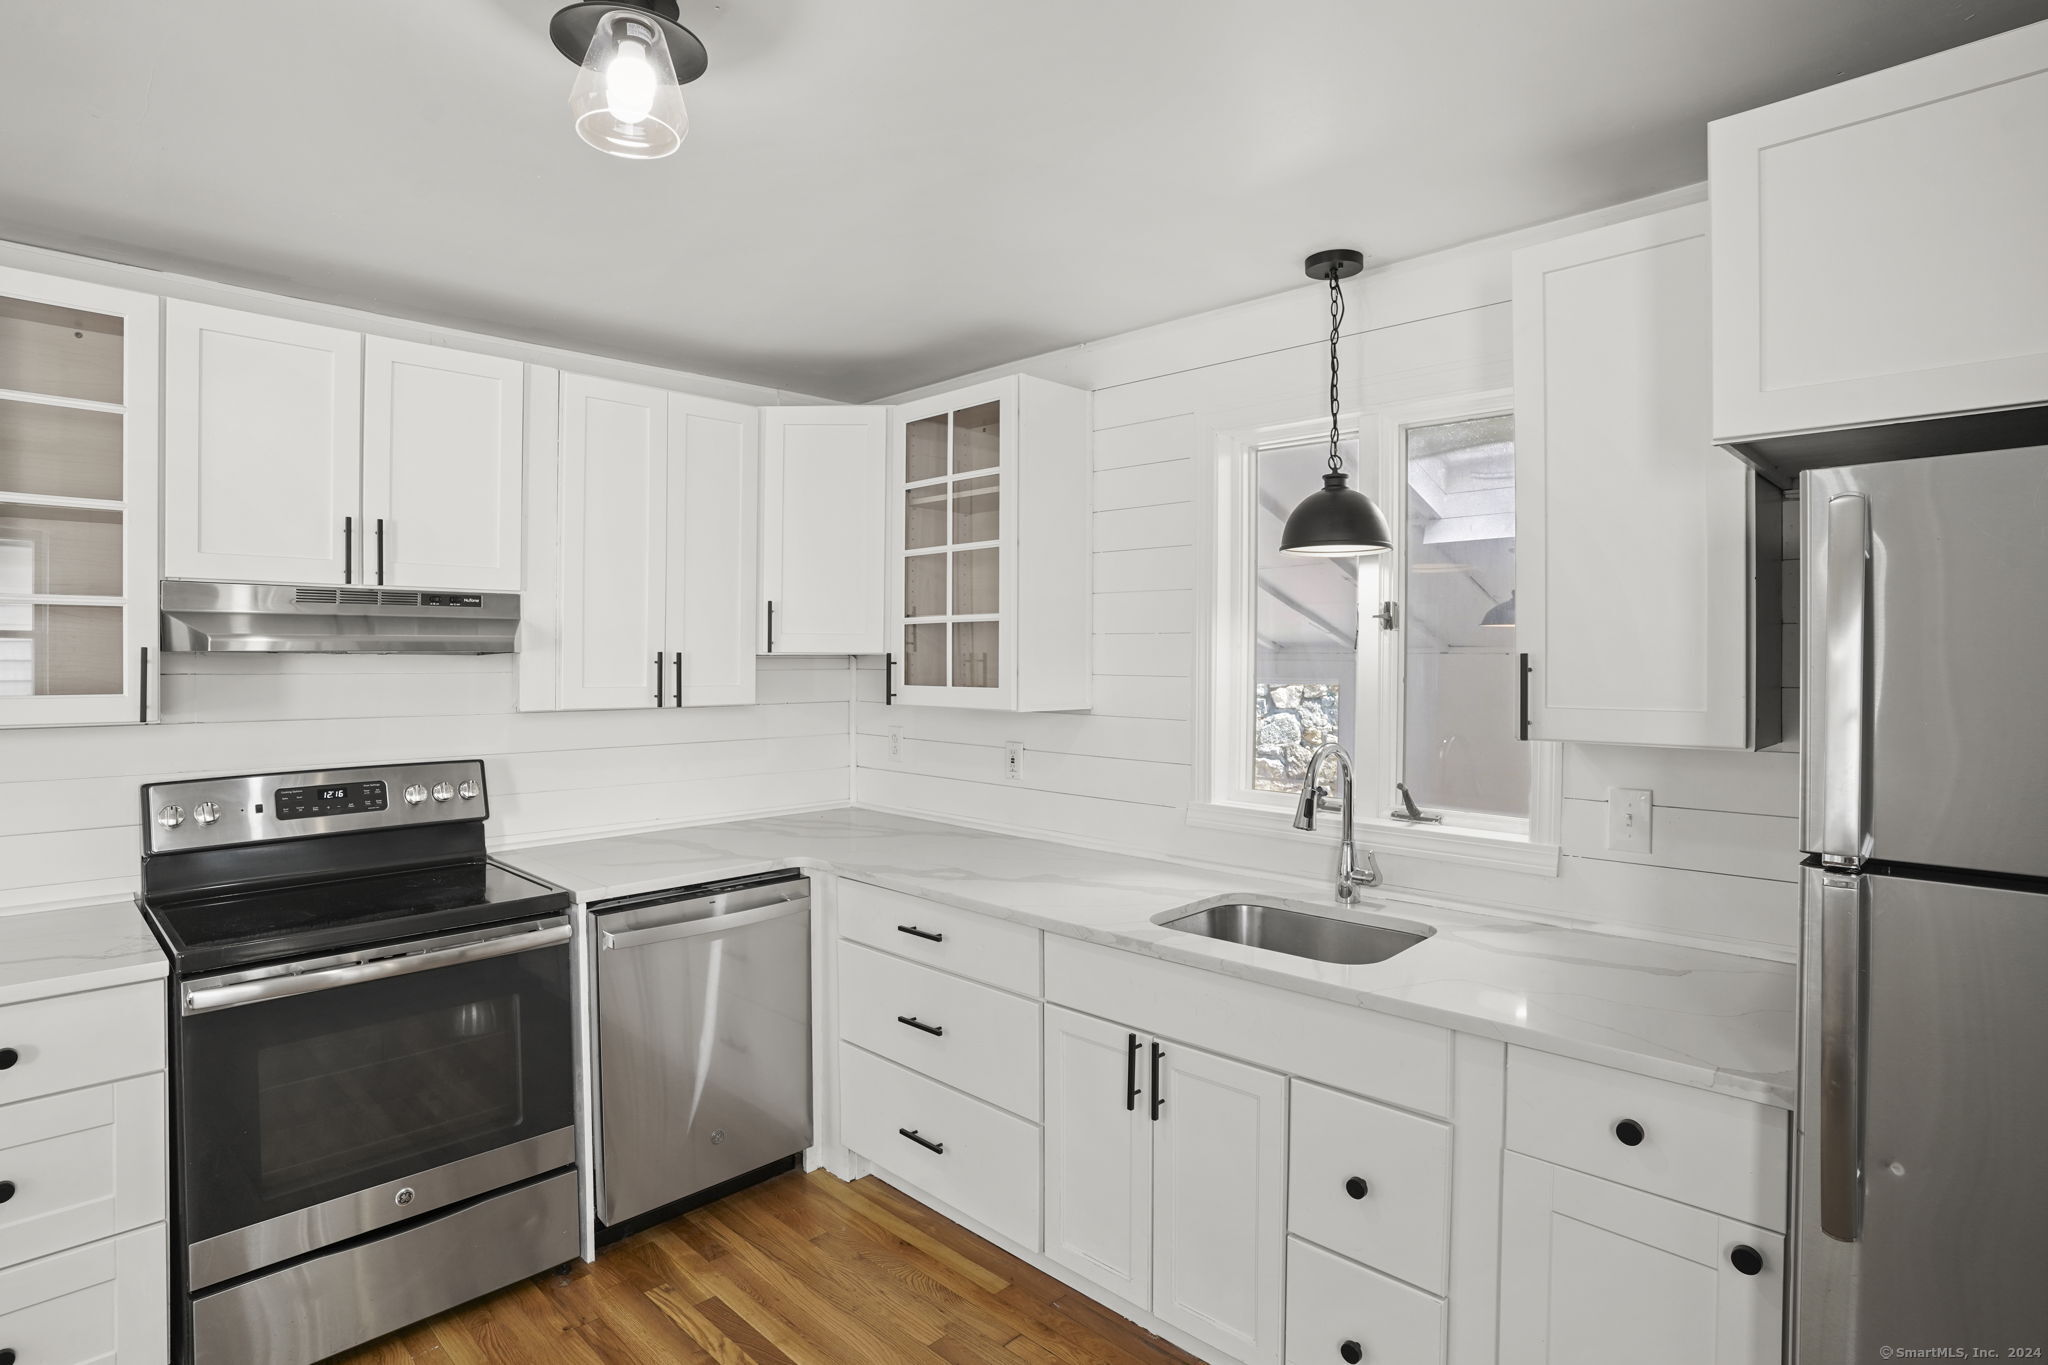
(199,999)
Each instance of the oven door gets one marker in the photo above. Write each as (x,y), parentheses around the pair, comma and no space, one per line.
(323,1100)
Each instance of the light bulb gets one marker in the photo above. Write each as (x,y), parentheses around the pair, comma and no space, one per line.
(629,83)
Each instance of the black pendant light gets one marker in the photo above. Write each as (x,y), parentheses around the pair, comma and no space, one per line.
(1336,521)
(634,59)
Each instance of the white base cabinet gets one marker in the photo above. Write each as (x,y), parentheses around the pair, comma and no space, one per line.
(1594,1273)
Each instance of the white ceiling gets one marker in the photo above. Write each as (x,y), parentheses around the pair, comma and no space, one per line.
(879,194)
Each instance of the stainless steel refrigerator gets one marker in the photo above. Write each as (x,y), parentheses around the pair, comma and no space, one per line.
(1922,1173)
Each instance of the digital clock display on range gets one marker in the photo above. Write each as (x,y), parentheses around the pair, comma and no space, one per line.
(306,803)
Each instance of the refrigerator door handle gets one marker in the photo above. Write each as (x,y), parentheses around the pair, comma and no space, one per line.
(1842,972)
(1845,683)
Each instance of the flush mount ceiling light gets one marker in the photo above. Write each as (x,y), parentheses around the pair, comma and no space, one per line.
(635,60)
(1335,521)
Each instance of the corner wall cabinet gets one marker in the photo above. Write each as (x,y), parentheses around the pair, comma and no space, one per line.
(1635,529)
(824,530)
(657,549)
(78,502)
(309,455)
(1877,245)
(990,570)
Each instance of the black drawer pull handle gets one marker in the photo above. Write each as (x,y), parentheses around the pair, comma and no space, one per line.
(934,1030)
(1629,1133)
(6,1190)
(8,1057)
(915,932)
(936,1148)
(1747,1259)
(1352,1352)
(1158,1100)
(1131,1075)
(1356,1187)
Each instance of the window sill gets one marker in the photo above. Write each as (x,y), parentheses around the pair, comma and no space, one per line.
(1469,847)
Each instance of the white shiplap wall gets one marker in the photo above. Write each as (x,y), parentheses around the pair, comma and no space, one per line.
(1724,861)
(70,797)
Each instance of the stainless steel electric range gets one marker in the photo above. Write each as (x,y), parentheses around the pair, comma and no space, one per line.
(371,1056)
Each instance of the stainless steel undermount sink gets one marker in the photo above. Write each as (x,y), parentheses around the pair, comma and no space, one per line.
(1345,937)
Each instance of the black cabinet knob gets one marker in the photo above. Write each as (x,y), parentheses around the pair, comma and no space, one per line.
(1350,1350)
(8,1057)
(6,1193)
(1356,1188)
(1747,1259)
(1629,1133)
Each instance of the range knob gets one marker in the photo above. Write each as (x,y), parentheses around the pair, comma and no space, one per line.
(444,791)
(206,812)
(170,817)
(469,790)
(415,794)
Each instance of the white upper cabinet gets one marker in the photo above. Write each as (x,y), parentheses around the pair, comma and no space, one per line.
(1877,245)
(443,442)
(824,530)
(990,570)
(262,448)
(714,482)
(78,502)
(1634,527)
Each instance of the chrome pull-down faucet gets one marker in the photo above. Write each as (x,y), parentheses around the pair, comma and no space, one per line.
(1349,877)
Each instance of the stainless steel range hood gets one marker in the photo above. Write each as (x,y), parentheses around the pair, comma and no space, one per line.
(258,618)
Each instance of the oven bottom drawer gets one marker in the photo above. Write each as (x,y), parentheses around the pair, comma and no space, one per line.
(311,1310)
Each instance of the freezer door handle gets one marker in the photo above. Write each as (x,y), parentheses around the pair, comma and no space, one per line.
(1845,683)
(1842,972)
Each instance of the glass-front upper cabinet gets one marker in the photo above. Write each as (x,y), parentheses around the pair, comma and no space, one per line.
(78,504)
(990,565)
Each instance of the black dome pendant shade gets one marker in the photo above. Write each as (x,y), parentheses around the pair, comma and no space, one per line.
(574,26)
(1337,520)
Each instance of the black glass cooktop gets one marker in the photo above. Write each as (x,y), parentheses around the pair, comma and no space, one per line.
(206,933)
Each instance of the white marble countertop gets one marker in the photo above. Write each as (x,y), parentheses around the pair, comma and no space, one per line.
(79,948)
(1718,1021)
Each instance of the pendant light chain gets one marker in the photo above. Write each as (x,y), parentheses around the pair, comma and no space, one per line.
(1336,326)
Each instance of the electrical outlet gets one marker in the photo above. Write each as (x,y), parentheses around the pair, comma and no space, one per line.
(1628,819)
(1015,761)
(895,744)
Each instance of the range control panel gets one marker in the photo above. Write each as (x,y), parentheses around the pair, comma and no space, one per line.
(217,812)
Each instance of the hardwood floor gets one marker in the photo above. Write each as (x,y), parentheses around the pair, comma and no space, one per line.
(801,1270)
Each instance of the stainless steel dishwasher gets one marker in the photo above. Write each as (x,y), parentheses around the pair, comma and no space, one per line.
(703,1040)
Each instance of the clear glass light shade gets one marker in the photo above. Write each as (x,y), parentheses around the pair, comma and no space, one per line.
(626,100)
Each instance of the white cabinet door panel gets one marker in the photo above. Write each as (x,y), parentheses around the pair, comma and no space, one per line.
(614,471)
(713,525)
(1219,1210)
(102,1304)
(262,448)
(443,446)
(824,531)
(1098,1153)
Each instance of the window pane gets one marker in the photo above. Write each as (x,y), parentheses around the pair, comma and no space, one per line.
(974,653)
(60,551)
(924,448)
(977,510)
(60,452)
(924,585)
(1461,751)
(975,591)
(924,516)
(59,352)
(53,651)
(1305,655)
(924,656)
(977,438)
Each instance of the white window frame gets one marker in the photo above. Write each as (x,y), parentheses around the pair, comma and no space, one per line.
(1226,621)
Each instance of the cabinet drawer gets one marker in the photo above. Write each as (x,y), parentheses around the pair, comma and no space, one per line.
(986,1041)
(103,1304)
(989,1168)
(1397,1217)
(998,951)
(72,1041)
(82,1165)
(1712,1151)
(1330,1301)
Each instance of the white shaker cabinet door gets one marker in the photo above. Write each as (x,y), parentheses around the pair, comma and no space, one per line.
(1594,1273)
(824,530)
(1219,1214)
(1633,525)
(1098,1153)
(713,520)
(443,445)
(262,448)
(614,571)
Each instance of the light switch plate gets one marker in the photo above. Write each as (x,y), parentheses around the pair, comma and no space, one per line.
(1628,820)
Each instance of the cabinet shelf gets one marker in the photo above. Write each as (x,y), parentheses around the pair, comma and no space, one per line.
(55,400)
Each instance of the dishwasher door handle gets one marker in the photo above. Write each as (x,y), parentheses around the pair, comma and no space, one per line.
(707,924)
